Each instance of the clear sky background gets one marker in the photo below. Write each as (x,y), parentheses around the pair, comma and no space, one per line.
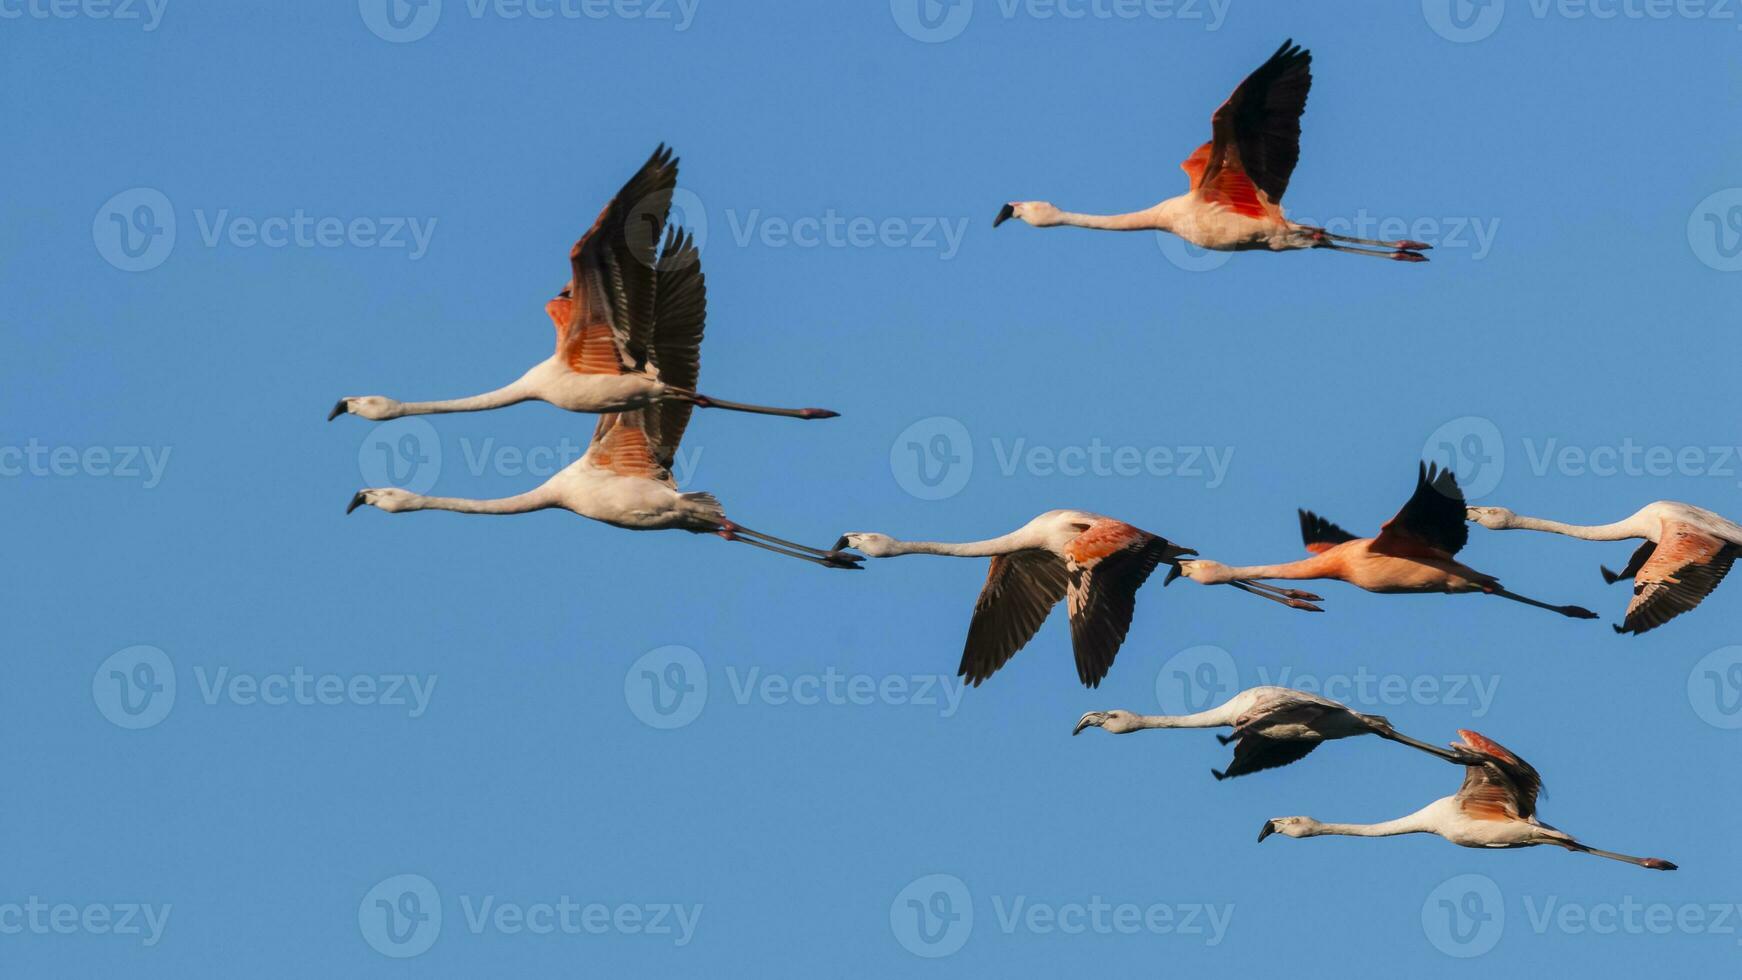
(1583,296)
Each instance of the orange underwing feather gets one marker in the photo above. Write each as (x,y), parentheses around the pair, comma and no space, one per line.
(1194,165)
(1102,539)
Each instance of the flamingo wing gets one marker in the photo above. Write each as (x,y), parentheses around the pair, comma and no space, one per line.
(1321,535)
(1501,787)
(1109,562)
(1684,568)
(1292,708)
(1431,523)
(612,268)
(1021,589)
(1255,753)
(1255,137)
(679,316)
(622,445)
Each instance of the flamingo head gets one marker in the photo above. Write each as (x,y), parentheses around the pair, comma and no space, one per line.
(1494,518)
(868,544)
(390,499)
(1118,721)
(1289,827)
(376,408)
(1040,214)
(1202,571)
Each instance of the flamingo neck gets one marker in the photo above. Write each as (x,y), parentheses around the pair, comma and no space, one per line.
(1216,717)
(509,395)
(1618,531)
(960,549)
(1306,569)
(1412,824)
(518,504)
(1145,220)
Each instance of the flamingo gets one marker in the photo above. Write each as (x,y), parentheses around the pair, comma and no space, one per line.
(1234,202)
(1496,807)
(602,317)
(624,478)
(1413,552)
(1094,562)
(1687,551)
(1273,726)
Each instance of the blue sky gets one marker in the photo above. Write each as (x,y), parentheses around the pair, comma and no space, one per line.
(374,204)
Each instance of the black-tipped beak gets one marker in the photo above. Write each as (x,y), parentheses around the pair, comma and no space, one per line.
(840,543)
(1269,828)
(1005,213)
(356,502)
(1092,718)
(1172,573)
(341,408)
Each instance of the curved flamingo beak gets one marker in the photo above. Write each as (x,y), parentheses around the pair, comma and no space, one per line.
(341,408)
(1172,573)
(356,502)
(1092,718)
(1004,214)
(1269,828)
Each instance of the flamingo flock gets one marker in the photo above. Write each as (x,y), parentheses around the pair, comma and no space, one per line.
(629,326)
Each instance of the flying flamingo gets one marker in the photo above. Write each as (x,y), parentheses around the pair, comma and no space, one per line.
(1413,552)
(1496,807)
(1095,563)
(1697,549)
(1273,726)
(1234,203)
(624,478)
(605,358)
